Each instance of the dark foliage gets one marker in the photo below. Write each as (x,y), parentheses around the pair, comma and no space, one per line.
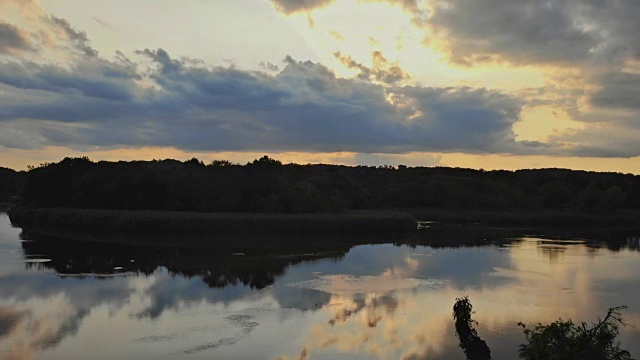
(256,267)
(151,225)
(473,346)
(10,185)
(564,340)
(267,185)
(560,340)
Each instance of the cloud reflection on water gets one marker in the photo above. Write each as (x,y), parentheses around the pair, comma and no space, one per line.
(374,301)
(538,286)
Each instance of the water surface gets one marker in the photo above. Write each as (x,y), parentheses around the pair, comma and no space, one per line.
(61,300)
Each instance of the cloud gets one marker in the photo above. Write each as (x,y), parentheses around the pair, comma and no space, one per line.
(102,22)
(158,100)
(155,99)
(382,71)
(46,31)
(613,139)
(412,159)
(476,120)
(618,90)
(31,10)
(269,66)
(77,38)
(295,6)
(36,324)
(98,79)
(525,33)
(336,35)
(521,33)
(591,45)
(517,32)
(305,107)
(13,41)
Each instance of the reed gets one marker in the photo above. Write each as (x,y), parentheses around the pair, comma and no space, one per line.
(133,222)
(546,218)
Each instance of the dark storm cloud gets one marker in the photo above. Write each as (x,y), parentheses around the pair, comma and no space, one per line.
(590,145)
(596,39)
(12,39)
(519,32)
(557,31)
(607,135)
(560,31)
(305,107)
(90,79)
(618,90)
(476,120)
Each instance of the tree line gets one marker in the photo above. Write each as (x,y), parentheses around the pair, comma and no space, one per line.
(10,184)
(267,185)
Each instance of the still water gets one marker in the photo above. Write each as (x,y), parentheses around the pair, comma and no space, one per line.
(78,300)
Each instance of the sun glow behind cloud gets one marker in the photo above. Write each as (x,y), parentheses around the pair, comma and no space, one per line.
(428,77)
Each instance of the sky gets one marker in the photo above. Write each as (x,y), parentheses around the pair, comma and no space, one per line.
(492,84)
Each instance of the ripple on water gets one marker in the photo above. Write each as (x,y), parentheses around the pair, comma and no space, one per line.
(343,283)
(246,324)
(37,260)
(213,345)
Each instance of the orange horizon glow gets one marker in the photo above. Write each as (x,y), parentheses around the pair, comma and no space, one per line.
(21,159)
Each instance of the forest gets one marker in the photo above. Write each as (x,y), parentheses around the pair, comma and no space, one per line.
(10,185)
(266,185)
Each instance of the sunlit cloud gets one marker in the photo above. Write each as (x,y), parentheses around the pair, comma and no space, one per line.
(435,77)
(35,325)
(304,107)
(13,40)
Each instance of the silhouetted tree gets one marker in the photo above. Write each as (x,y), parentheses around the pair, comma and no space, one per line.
(563,340)
(267,185)
(473,346)
(220,163)
(560,340)
(10,184)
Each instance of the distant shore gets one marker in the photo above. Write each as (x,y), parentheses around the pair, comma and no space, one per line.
(116,224)
(445,228)
(518,218)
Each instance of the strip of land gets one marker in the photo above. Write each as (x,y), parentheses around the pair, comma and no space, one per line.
(142,224)
(167,198)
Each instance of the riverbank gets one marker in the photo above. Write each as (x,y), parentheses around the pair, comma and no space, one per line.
(159,225)
(549,219)
(443,228)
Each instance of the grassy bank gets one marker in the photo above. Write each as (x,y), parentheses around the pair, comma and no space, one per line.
(167,224)
(529,219)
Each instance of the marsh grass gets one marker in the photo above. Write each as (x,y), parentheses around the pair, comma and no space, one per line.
(167,224)
(548,218)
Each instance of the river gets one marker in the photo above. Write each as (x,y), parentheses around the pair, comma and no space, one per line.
(66,300)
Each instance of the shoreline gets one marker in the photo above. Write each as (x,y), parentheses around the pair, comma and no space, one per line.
(528,219)
(166,227)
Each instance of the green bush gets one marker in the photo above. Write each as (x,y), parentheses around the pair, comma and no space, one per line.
(560,340)
(564,340)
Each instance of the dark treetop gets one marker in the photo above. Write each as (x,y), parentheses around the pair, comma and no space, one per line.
(266,185)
